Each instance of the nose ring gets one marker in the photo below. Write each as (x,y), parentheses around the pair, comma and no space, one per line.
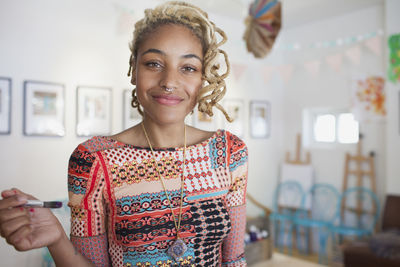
(169,89)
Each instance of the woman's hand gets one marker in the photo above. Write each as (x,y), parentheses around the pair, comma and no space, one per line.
(27,228)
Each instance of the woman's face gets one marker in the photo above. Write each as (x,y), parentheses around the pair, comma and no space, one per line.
(169,57)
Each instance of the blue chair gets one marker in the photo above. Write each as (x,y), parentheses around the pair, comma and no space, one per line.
(318,209)
(287,199)
(358,213)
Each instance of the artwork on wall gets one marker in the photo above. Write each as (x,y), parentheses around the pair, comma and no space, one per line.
(369,98)
(93,111)
(394,64)
(5,105)
(262,26)
(43,108)
(260,118)
(235,109)
(204,122)
(131,115)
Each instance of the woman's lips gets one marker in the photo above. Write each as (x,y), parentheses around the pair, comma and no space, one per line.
(168,100)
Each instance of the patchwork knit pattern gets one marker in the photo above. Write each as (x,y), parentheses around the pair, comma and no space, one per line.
(121,216)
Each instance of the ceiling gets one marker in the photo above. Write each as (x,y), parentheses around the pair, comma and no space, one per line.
(295,12)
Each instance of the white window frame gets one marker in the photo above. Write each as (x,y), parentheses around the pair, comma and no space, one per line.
(309,118)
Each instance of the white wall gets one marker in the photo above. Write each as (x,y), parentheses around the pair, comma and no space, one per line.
(332,89)
(83,43)
(393,127)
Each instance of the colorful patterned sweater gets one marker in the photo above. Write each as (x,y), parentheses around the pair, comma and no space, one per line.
(120,215)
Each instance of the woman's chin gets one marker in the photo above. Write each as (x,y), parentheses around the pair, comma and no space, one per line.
(170,118)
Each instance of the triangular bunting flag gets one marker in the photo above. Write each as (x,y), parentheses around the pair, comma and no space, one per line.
(354,54)
(286,72)
(238,70)
(266,73)
(313,67)
(375,45)
(335,61)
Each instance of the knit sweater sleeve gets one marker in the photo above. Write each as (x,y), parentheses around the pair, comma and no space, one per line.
(86,184)
(233,245)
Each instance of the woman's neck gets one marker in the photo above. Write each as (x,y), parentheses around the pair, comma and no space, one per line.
(164,136)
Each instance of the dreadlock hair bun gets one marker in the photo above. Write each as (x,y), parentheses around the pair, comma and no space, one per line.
(192,17)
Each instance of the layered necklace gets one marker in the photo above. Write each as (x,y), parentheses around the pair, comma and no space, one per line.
(179,247)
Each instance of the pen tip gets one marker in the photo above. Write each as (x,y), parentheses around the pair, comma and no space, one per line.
(58,204)
(52,204)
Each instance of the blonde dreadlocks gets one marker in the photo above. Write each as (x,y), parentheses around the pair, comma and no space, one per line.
(197,21)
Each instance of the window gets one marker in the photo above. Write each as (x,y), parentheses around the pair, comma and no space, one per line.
(323,127)
(347,129)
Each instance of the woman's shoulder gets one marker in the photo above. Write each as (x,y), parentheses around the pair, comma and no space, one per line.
(198,136)
(98,143)
(231,140)
(101,142)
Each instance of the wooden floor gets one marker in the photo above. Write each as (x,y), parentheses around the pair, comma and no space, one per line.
(282,260)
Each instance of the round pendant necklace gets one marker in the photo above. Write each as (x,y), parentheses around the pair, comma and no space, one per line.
(179,247)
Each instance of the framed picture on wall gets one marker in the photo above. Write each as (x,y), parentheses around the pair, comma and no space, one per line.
(43,108)
(203,121)
(235,109)
(131,116)
(93,111)
(260,119)
(5,105)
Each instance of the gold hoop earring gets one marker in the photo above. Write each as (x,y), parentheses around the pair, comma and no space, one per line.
(135,102)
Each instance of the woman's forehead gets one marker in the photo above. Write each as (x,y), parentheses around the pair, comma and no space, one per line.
(172,38)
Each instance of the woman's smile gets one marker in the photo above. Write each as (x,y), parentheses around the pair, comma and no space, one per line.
(168,100)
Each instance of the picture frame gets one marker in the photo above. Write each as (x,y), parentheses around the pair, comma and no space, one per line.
(94,111)
(204,122)
(5,105)
(260,119)
(236,110)
(44,109)
(131,116)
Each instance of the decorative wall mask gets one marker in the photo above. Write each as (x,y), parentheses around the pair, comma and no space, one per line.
(262,26)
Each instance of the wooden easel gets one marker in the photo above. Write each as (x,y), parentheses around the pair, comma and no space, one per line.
(297,160)
(360,174)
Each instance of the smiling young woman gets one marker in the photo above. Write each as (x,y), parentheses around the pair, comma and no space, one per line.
(160,193)
(171,57)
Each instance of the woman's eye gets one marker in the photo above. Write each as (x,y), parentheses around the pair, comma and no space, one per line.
(189,69)
(153,64)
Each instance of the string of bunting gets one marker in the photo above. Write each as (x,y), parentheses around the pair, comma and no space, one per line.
(352,52)
(329,43)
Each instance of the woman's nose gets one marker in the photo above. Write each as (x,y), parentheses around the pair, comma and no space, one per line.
(169,78)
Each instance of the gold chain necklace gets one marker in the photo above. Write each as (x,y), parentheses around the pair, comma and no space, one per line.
(179,247)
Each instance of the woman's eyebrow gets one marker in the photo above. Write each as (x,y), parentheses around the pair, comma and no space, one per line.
(157,51)
(153,50)
(192,56)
